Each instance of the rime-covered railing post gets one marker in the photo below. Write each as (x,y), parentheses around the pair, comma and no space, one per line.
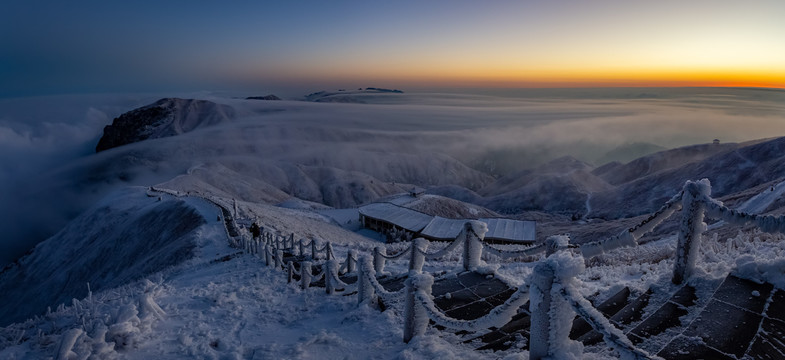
(314,254)
(301,248)
(473,233)
(351,258)
(540,306)
(329,250)
(551,314)
(365,292)
(305,274)
(419,246)
(330,268)
(378,259)
(278,258)
(290,271)
(268,255)
(415,318)
(555,243)
(691,228)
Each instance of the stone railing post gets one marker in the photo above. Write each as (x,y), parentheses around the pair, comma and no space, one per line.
(351,257)
(305,274)
(290,272)
(542,282)
(691,229)
(555,243)
(365,291)
(378,259)
(473,233)
(278,258)
(329,249)
(268,255)
(551,313)
(415,317)
(330,268)
(417,260)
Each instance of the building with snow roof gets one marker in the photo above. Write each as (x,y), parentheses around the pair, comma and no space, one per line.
(384,217)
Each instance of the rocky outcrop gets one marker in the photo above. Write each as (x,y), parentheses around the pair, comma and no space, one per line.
(165,117)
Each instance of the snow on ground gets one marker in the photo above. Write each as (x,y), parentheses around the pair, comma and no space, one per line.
(760,202)
(348,218)
(223,304)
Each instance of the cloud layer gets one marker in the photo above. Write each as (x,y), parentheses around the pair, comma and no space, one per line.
(50,173)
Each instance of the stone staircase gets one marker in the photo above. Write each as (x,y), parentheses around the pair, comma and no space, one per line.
(743,319)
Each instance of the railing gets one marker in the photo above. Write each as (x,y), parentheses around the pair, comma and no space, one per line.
(554,301)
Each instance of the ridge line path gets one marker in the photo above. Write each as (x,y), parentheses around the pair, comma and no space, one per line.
(757,203)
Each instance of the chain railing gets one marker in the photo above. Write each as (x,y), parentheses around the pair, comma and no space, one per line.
(554,300)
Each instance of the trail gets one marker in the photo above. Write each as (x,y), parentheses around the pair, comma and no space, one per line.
(588,206)
(758,203)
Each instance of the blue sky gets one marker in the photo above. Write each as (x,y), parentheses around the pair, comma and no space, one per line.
(93,46)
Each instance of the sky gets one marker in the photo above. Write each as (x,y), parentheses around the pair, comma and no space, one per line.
(87,46)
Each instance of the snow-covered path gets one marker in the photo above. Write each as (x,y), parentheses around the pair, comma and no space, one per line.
(757,203)
(240,309)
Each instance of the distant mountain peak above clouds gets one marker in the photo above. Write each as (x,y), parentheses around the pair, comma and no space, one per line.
(348,95)
(164,118)
(266,97)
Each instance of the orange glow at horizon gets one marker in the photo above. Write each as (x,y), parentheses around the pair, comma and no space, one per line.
(552,78)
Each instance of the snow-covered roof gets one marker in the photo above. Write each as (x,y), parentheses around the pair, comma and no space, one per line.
(445,229)
(510,230)
(406,218)
(498,229)
(439,228)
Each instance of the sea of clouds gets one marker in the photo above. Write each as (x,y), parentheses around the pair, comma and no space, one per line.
(46,143)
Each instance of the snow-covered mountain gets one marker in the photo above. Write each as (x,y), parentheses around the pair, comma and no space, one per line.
(286,163)
(165,117)
(125,237)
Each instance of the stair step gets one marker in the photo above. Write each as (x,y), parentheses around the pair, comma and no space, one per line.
(609,307)
(503,338)
(736,323)
(666,317)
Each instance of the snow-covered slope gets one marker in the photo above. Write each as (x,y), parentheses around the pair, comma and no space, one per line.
(221,305)
(663,160)
(125,237)
(729,172)
(560,186)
